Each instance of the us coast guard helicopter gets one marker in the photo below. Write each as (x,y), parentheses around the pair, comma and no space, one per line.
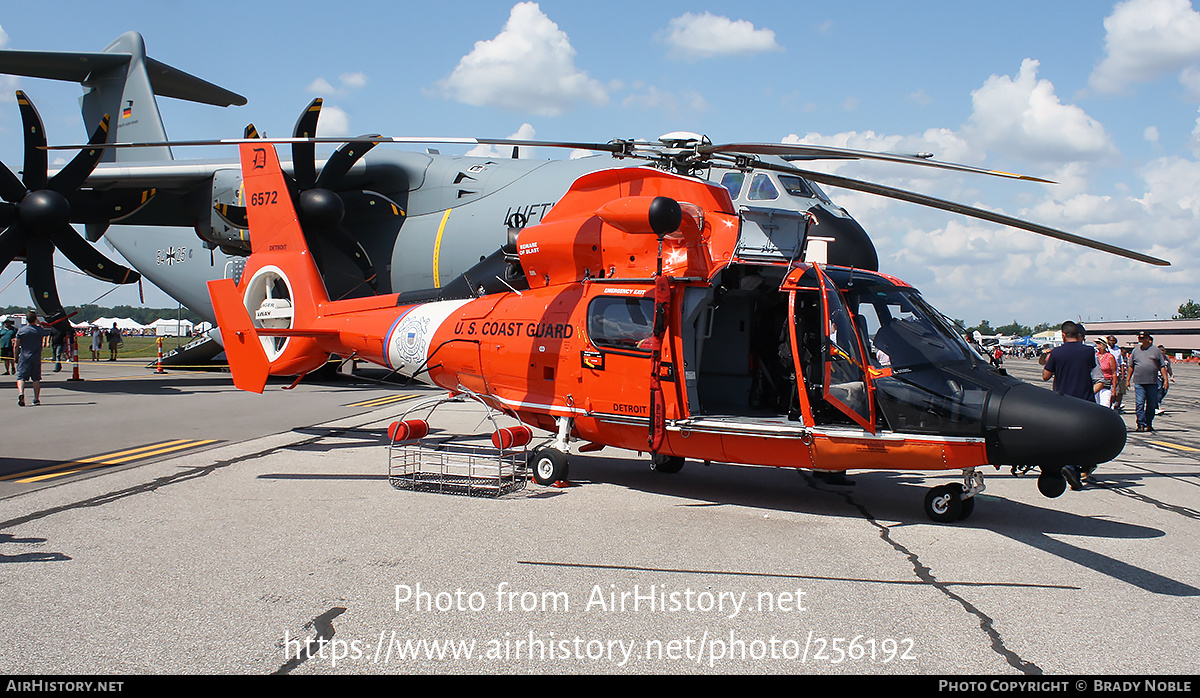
(646,311)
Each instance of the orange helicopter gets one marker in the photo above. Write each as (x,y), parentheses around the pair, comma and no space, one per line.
(630,316)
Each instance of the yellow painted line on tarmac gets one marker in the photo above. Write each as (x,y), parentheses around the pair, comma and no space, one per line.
(1177,447)
(381,401)
(115,458)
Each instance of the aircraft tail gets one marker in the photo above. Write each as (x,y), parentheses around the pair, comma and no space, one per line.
(121,81)
(270,321)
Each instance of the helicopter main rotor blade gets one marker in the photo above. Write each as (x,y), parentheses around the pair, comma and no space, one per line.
(962,209)
(821,151)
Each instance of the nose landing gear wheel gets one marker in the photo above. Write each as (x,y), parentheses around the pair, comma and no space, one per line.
(945,504)
(549,465)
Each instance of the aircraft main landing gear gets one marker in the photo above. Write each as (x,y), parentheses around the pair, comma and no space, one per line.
(549,465)
(666,464)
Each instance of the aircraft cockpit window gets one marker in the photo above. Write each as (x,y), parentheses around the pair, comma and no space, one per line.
(733,182)
(796,186)
(621,323)
(763,189)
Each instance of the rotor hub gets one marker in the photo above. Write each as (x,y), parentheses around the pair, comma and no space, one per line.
(321,208)
(44,210)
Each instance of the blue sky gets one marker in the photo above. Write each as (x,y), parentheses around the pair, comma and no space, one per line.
(1099,96)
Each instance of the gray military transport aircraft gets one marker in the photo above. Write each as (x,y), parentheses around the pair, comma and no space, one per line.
(423,224)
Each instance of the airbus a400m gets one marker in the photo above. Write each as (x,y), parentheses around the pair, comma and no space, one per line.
(643,312)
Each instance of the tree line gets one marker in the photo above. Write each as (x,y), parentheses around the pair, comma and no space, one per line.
(90,313)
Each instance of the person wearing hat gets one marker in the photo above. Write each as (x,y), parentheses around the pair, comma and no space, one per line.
(1104,376)
(1118,389)
(1146,364)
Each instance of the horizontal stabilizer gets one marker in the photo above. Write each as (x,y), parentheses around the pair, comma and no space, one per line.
(82,67)
(247,358)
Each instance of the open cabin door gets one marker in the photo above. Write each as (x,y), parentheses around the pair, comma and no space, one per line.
(847,384)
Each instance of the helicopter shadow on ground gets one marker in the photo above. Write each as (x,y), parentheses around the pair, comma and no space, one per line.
(884,497)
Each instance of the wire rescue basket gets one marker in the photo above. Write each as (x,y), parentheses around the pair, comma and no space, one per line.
(474,465)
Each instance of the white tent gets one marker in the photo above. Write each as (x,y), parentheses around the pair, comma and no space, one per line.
(171,328)
(122,323)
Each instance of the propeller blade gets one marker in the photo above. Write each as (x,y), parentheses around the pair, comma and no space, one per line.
(73,175)
(11,188)
(34,174)
(372,204)
(8,214)
(340,163)
(817,152)
(304,154)
(235,216)
(89,259)
(912,197)
(92,206)
(341,239)
(12,243)
(39,275)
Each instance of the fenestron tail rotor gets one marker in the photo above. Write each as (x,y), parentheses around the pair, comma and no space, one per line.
(38,210)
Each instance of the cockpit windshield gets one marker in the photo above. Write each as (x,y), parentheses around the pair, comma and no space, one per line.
(928,379)
(903,331)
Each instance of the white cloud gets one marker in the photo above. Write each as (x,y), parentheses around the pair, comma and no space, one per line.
(320,86)
(692,36)
(1023,116)
(1146,39)
(353,79)
(334,122)
(525,133)
(348,81)
(529,67)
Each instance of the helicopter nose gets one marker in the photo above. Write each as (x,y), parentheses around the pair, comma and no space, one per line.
(1038,427)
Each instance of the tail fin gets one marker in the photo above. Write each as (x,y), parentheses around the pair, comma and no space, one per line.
(122,82)
(271,320)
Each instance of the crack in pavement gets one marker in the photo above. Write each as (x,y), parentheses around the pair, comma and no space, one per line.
(925,574)
(323,624)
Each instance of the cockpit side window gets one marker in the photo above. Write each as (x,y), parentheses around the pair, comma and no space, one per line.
(762,189)
(796,186)
(733,182)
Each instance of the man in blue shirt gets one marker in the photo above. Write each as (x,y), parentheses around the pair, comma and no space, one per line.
(1070,365)
(28,344)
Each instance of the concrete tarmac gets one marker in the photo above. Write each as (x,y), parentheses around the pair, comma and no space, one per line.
(279,546)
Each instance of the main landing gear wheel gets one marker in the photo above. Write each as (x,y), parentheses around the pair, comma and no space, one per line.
(945,504)
(1051,483)
(666,464)
(549,465)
